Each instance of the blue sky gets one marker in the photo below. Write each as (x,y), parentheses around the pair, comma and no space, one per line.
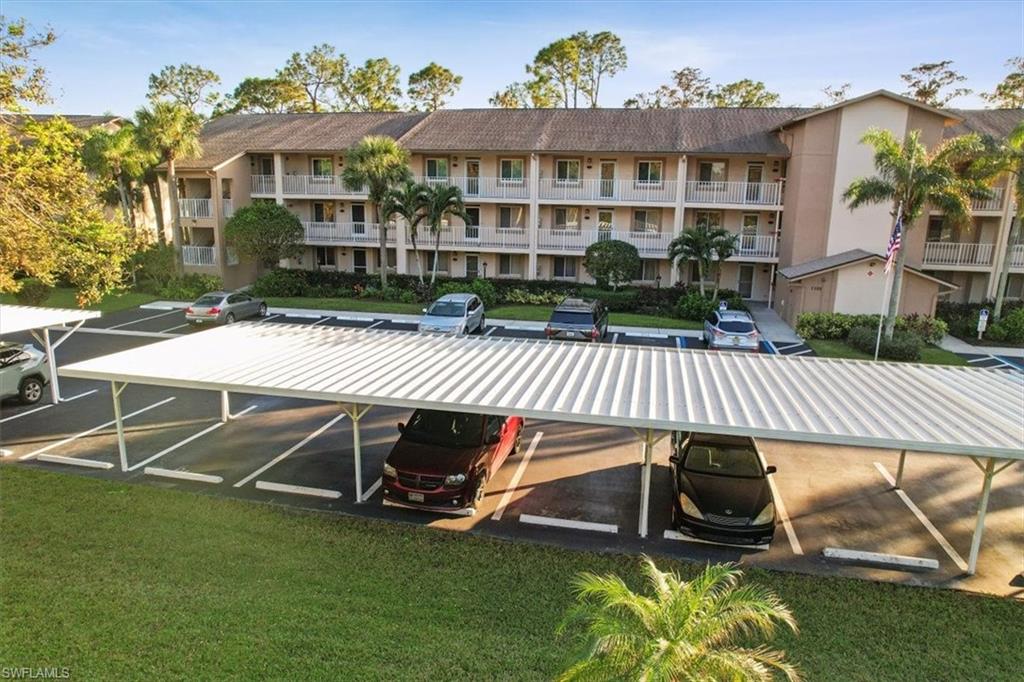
(106,50)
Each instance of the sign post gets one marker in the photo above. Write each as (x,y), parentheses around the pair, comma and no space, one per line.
(982,322)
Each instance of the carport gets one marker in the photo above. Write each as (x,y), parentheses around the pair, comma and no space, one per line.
(956,411)
(39,321)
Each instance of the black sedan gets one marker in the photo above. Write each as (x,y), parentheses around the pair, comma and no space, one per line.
(721,489)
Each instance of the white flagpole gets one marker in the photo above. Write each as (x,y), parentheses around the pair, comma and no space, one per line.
(887,286)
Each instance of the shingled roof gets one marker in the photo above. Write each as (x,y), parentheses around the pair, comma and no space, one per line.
(995,122)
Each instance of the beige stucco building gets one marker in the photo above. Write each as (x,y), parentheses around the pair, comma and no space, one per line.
(542,185)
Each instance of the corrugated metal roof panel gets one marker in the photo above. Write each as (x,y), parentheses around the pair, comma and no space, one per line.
(20,318)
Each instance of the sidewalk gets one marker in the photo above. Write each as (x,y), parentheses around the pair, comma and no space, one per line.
(771,325)
(955,345)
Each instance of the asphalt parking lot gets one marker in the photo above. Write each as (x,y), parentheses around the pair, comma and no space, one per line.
(571,484)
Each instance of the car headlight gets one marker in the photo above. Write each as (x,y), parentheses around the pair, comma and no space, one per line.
(689,508)
(390,471)
(454,480)
(767,515)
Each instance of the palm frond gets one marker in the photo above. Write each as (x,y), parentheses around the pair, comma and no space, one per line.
(873,190)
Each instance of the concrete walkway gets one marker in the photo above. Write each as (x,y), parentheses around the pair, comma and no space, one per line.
(955,345)
(771,325)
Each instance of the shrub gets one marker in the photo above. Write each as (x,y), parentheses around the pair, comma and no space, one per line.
(281,283)
(612,262)
(694,306)
(153,267)
(481,287)
(962,319)
(621,301)
(542,298)
(266,232)
(930,329)
(189,287)
(831,325)
(1010,329)
(33,292)
(902,346)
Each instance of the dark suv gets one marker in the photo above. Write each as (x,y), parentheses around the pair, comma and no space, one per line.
(578,318)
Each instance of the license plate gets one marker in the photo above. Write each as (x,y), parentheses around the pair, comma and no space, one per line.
(735,339)
(415,497)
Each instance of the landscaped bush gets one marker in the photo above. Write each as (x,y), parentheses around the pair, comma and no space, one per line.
(281,283)
(962,319)
(930,329)
(1010,329)
(189,287)
(831,325)
(902,346)
(153,267)
(522,296)
(695,306)
(33,292)
(481,287)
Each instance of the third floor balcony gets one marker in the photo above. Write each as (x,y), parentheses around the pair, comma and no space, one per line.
(329,233)
(304,186)
(966,255)
(741,194)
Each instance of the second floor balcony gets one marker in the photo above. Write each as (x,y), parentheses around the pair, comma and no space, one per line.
(304,185)
(649,244)
(958,255)
(734,193)
(483,188)
(195,208)
(199,255)
(993,204)
(324,233)
(631,191)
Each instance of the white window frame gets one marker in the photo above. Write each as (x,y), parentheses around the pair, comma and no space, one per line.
(565,262)
(511,179)
(506,258)
(365,267)
(330,256)
(327,207)
(312,166)
(712,162)
(650,163)
(601,223)
(513,210)
(647,264)
(756,226)
(656,223)
(566,225)
(466,258)
(698,214)
(436,159)
(569,181)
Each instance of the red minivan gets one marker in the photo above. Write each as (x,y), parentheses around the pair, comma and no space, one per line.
(443,460)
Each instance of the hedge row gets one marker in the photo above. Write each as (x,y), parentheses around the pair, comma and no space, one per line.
(962,319)
(839,326)
(902,346)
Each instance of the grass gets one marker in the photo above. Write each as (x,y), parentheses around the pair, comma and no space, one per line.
(357,305)
(64,297)
(931,355)
(122,581)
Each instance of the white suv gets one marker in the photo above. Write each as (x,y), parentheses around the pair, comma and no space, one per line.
(24,372)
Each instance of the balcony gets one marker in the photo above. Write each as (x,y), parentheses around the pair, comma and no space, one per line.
(199,255)
(262,184)
(477,238)
(632,191)
(483,188)
(755,246)
(1017,257)
(344,233)
(195,208)
(318,186)
(649,244)
(957,255)
(734,193)
(229,207)
(993,204)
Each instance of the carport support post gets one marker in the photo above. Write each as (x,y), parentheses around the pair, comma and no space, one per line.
(52,360)
(647,441)
(899,470)
(225,406)
(979,526)
(122,449)
(355,414)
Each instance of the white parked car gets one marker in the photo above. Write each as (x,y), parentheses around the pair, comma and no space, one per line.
(24,372)
(731,330)
(454,314)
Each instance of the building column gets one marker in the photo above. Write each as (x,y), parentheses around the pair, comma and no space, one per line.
(278,178)
(534,221)
(217,208)
(680,212)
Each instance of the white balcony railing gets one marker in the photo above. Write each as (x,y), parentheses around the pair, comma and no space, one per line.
(199,255)
(647,243)
(957,254)
(755,246)
(228,207)
(345,233)
(1017,256)
(608,190)
(262,184)
(319,185)
(195,208)
(474,237)
(743,193)
(993,203)
(483,188)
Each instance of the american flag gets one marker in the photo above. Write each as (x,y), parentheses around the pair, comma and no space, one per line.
(895,242)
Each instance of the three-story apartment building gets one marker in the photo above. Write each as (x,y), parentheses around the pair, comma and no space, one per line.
(541,186)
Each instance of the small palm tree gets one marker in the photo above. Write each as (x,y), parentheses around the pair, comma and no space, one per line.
(378,163)
(443,202)
(703,244)
(408,201)
(910,178)
(117,156)
(679,630)
(171,131)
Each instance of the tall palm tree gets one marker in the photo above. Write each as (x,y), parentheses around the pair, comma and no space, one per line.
(118,157)
(702,244)
(408,201)
(171,131)
(378,163)
(679,629)
(910,178)
(443,202)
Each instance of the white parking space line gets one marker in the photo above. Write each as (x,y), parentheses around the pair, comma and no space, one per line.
(171,329)
(679,342)
(490,331)
(188,440)
(983,358)
(647,335)
(615,338)
(676,535)
(953,554)
(75,461)
(895,560)
(518,476)
(568,523)
(372,489)
(297,489)
(151,317)
(780,507)
(375,324)
(268,318)
(26,413)
(36,453)
(803,352)
(321,321)
(290,450)
(183,475)
(80,395)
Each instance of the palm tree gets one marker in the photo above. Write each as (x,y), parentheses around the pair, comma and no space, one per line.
(678,630)
(443,202)
(911,178)
(118,157)
(408,201)
(378,163)
(171,131)
(703,244)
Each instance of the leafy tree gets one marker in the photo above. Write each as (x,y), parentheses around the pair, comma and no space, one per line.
(559,64)
(118,157)
(690,88)
(53,221)
(378,163)
(408,201)
(743,94)
(536,93)
(1009,94)
(703,244)
(834,94)
(22,80)
(612,262)
(910,178)
(265,96)
(928,83)
(265,232)
(442,202)
(184,85)
(601,54)
(677,629)
(373,87)
(171,131)
(430,87)
(319,73)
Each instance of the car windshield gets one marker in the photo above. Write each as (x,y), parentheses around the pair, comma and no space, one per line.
(447,309)
(736,326)
(447,429)
(209,299)
(722,460)
(572,317)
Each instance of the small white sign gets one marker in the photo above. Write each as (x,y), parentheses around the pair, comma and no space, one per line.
(722,306)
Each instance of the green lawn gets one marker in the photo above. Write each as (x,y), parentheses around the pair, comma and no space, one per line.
(119,581)
(357,305)
(64,297)
(932,355)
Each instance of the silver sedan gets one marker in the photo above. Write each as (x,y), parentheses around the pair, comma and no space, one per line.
(224,307)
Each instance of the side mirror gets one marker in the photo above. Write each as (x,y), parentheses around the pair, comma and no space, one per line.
(401,427)
(770,469)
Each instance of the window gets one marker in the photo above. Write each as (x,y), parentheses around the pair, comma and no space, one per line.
(437,168)
(565,267)
(566,218)
(266,165)
(472,265)
(750,222)
(567,171)
(325,255)
(358,213)
(649,269)
(323,212)
(648,172)
(708,220)
(605,219)
(711,171)
(442,261)
(359,260)
(646,220)
(474,215)
(506,264)
(939,231)
(322,166)
(392,258)
(511,216)
(512,170)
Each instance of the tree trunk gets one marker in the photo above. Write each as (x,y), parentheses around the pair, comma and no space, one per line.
(382,231)
(1004,269)
(718,279)
(897,288)
(437,249)
(129,220)
(176,236)
(700,276)
(416,255)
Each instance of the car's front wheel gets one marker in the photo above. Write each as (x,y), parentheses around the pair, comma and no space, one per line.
(30,391)
(262,312)
(478,491)
(483,323)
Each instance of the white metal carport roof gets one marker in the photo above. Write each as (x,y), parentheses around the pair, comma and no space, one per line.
(953,410)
